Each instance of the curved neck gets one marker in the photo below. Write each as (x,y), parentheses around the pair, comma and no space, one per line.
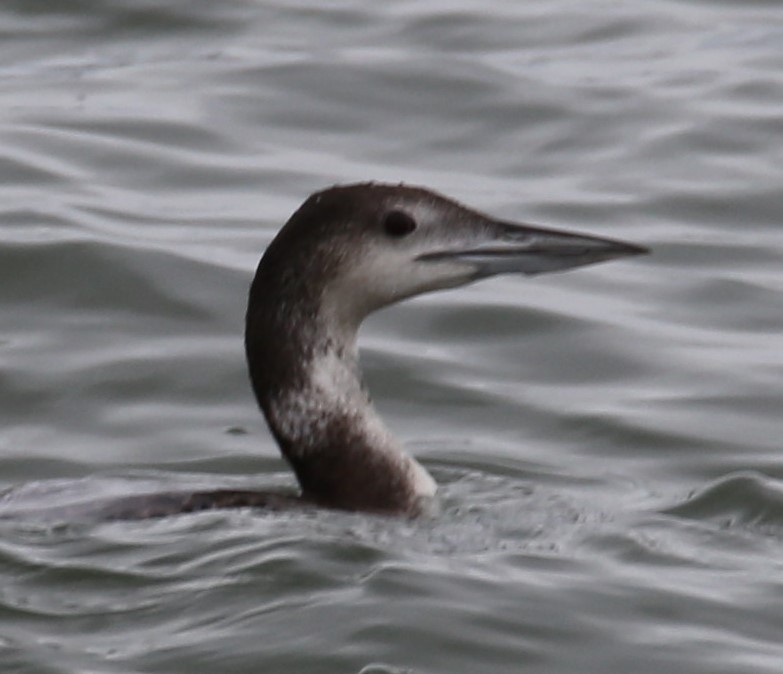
(305,374)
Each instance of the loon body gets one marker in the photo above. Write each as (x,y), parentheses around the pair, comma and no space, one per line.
(346,252)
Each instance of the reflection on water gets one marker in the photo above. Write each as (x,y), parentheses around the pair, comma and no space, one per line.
(607,441)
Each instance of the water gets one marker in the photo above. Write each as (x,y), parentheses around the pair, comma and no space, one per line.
(608,441)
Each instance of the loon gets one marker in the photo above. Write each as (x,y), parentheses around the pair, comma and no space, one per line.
(347,251)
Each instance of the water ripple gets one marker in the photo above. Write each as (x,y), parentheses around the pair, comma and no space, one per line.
(744,500)
(149,152)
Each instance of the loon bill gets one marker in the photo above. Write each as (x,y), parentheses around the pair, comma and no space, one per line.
(346,252)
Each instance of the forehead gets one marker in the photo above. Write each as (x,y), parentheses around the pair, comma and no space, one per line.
(357,212)
(373,200)
(369,197)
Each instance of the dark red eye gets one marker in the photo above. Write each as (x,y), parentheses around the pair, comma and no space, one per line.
(398,224)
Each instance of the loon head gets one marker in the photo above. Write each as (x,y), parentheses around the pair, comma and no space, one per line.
(368,245)
(346,252)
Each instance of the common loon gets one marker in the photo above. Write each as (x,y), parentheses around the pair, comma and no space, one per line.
(347,251)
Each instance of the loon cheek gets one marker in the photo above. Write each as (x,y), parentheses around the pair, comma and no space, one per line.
(444,273)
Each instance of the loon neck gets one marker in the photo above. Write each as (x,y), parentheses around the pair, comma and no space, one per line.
(304,368)
(345,252)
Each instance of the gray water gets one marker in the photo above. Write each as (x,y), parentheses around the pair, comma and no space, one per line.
(607,441)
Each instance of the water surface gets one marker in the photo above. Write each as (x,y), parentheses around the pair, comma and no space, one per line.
(607,441)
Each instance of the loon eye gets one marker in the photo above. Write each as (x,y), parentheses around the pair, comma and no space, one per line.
(398,224)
